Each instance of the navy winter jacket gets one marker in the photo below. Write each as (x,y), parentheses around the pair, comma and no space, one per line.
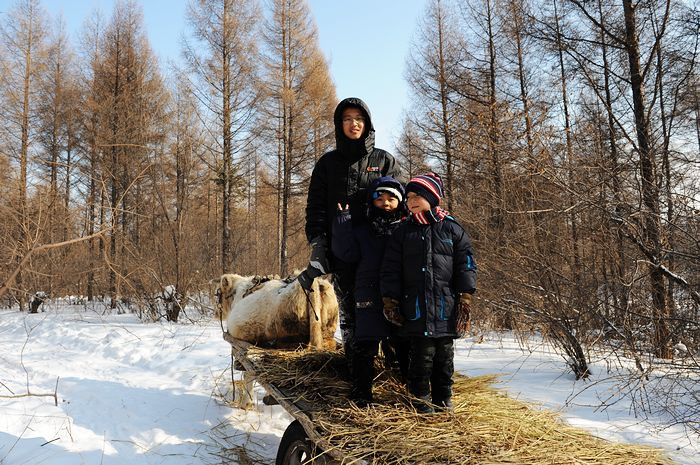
(425,267)
(359,245)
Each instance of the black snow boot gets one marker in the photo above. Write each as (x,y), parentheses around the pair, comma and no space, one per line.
(443,406)
(423,405)
(363,372)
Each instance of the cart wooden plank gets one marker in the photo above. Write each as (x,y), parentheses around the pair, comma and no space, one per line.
(239,349)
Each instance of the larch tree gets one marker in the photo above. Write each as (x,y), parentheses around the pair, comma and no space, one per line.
(299,95)
(133,98)
(517,28)
(639,66)
(56,137)
(89,140)
(222,60)
(435,69)
(175,177)
(22,35)
(486,26)
(569,162)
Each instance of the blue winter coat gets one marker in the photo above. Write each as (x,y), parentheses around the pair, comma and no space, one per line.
(425,267)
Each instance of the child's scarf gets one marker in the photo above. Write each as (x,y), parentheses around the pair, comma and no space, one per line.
(383,223)
(434,215)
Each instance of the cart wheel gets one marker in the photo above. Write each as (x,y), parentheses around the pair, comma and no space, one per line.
(295,447)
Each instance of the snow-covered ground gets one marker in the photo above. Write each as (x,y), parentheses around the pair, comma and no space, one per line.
(150,393)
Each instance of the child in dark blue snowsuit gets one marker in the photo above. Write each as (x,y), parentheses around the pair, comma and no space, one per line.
(427,278)
(364,245)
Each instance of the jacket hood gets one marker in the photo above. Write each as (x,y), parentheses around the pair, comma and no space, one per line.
(366,142)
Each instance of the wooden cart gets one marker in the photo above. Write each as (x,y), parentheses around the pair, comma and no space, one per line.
(301,442)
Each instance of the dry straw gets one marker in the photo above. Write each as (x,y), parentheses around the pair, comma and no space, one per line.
(487,427)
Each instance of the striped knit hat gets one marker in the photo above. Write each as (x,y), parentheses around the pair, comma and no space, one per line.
(428,186)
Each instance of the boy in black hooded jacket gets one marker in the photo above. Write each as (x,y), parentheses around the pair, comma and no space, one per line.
(427,277)
(342,176)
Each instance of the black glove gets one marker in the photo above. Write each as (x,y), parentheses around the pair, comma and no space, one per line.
(306,277)
(319,254)
(318,263)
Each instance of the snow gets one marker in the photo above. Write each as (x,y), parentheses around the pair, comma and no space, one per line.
(151,393)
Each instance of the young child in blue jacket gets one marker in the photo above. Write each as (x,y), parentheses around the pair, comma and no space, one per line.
(364,246)
(427,277)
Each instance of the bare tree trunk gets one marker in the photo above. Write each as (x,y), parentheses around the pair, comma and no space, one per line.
(226,187)
(180,196)
(54,149)
(92,196)
(497,220)
(569,151)
(286,132)
(113,237)
(666,124)
(445,117)
(281,149)
(101,244)
(256,219)
(114,181)
(517,17)
(619,290)
(24,155)
(650,191)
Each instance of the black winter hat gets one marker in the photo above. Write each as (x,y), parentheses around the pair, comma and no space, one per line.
(389,185)
(429,186)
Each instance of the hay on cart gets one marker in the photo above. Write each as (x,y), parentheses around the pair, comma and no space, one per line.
(487,426)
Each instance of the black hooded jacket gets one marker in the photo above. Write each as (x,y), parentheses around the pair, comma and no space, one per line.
(343,175)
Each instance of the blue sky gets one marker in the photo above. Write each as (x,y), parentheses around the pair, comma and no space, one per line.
(366,42)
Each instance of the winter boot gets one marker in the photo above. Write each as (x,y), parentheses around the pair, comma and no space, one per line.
(442,398)
(363,372)
(361,392)
(443,405)
(362,400)
(423,405)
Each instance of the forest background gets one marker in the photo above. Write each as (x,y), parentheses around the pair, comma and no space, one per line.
(567,133)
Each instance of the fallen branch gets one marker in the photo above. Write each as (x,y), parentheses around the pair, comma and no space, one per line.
(32,394)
